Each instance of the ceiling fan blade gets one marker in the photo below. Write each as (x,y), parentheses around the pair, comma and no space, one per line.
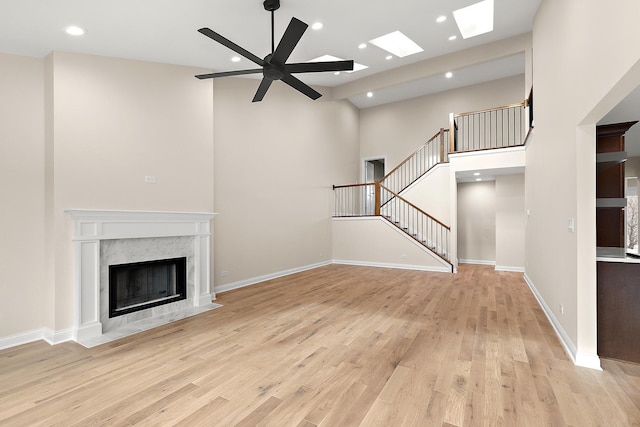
(290,39)
(229,73)
(231,45)
(315,67)
(300,86)
(262,89)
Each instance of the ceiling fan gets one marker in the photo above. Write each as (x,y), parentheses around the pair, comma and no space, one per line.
(274,65)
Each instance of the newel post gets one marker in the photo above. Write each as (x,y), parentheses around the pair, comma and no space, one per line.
(441,145)
(377,192)
(452,134)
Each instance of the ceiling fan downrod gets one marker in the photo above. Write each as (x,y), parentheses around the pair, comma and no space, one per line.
(272,6)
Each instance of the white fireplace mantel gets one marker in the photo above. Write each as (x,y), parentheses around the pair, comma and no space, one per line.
(93,226)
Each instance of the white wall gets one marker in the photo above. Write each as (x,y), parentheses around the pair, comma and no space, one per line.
(431,193)
(477,222)
(579,74)
(275,164)
(23,305)
(374,241)
(510,222)
(632,167)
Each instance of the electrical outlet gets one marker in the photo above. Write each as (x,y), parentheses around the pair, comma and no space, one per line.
(224,273)
(150,179)
(403,256)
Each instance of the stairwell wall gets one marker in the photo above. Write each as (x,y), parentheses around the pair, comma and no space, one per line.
(397,129)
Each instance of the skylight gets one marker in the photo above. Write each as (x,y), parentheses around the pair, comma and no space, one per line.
(475,19)
(326,58)
(397,44)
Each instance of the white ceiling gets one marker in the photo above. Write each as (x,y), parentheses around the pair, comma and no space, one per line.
(486,174)
(166,31)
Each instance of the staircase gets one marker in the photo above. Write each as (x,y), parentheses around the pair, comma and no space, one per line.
(495,128)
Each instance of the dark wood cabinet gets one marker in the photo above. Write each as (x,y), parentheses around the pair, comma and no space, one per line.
(619,310)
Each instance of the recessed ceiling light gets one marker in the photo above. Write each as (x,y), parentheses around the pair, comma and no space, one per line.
(453,38)
(388,57)
(235,59)
(325,58)
(317,26)
(441,19)
(475,19)
(476,174)
(337,73)
(74,30)
(397,44)
(449,74)
(362,45)
(369,94)
(478,179)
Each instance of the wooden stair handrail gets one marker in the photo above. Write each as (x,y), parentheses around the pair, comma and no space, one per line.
(415,152)
(504,107)
(353,185)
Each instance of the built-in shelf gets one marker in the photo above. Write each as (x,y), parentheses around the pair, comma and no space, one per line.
(607,160)
(611,202)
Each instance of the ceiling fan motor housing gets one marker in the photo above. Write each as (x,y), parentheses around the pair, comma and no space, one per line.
(271,5)
(271,70)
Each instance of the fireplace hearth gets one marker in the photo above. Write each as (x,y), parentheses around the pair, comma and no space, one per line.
(141,285)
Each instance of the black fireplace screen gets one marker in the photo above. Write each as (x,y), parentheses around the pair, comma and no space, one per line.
(142,285)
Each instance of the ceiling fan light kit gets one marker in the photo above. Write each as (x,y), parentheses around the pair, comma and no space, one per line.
(274,66)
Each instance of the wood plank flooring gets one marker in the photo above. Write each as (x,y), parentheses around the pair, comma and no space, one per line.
(333,346)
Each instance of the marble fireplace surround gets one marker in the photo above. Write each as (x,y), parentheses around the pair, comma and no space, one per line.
(93,227)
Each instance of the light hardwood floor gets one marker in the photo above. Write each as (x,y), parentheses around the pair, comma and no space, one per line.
(334,346)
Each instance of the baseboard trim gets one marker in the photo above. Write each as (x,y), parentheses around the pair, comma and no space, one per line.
(476,261)
(21,338)
(578,359)
(509,268)
(57,337)
(255,280)
(434,269)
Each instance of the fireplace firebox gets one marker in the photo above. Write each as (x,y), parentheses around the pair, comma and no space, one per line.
(141,285)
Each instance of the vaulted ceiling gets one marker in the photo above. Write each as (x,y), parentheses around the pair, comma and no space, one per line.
(166,31)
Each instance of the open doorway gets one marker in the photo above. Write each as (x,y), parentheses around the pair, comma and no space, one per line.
(373,170)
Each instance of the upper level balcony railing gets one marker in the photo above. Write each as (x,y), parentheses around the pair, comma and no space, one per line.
(500,127)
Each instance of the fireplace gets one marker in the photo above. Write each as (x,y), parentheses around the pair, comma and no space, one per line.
(107,238)
(140,285)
